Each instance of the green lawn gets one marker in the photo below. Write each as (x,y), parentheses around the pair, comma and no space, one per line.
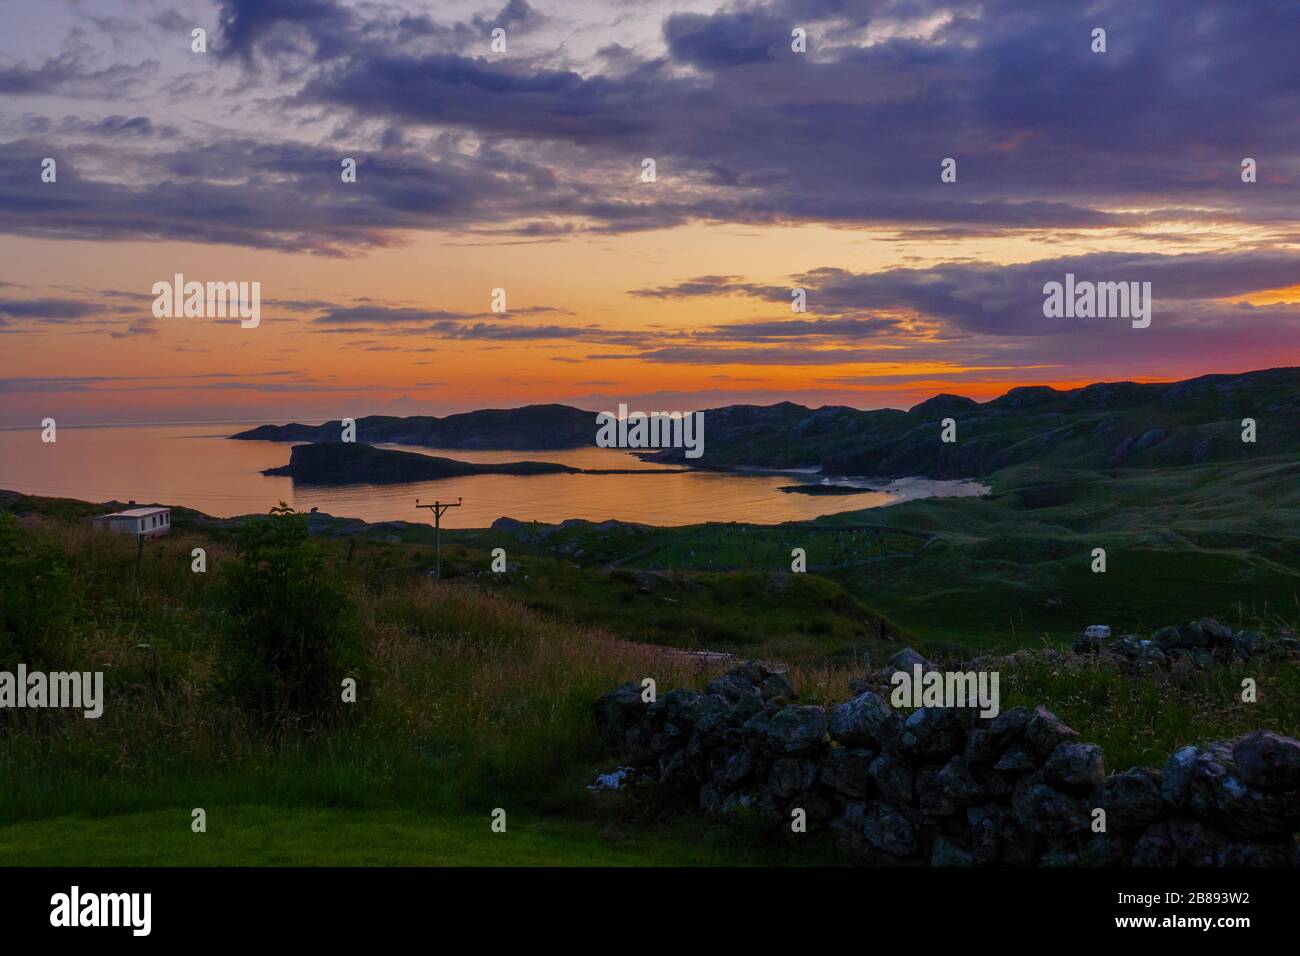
(275,836)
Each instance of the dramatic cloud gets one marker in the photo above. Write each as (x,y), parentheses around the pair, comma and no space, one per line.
(1008,300)
(1047,135)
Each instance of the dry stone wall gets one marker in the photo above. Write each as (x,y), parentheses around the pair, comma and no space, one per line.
(947,786)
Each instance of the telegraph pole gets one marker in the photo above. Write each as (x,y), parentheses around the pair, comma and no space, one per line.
(438,508)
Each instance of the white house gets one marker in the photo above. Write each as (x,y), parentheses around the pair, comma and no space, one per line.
(143,521)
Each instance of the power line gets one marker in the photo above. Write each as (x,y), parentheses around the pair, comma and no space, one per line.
(438,508)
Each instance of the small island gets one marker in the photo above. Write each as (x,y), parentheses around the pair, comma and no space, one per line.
(341,463)
(809,489)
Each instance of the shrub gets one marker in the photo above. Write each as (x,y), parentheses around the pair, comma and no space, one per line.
(35,598)
(290,630)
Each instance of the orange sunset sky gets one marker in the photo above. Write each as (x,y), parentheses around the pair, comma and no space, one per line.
(522,170)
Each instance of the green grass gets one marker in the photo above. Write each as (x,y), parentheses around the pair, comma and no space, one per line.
(1140,721)
(321,836)
(482,687)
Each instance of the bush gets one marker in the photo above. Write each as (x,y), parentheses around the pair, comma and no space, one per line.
(290,630)
(35,598)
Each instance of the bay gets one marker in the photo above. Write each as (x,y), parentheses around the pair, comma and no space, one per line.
(196,466)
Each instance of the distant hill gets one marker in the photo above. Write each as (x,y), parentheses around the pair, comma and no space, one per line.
(533,426)
(1105,425)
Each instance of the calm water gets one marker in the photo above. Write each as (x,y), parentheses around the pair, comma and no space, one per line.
(195,466)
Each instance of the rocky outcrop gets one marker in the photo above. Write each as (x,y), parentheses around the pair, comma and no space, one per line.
(1186,647)
(950,788)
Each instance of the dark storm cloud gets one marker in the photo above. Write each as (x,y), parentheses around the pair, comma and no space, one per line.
(281,23)
(1047,135)
(723,40)
(1008,300)
(262,194)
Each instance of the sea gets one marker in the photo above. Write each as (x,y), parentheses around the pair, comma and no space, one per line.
(197,466)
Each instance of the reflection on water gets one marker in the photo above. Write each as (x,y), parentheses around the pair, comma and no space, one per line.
(195,466)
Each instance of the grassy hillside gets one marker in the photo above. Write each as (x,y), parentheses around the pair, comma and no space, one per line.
(1008,570)
(1105,425)
(470,701)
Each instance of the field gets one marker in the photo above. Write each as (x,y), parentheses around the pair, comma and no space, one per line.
(476,693)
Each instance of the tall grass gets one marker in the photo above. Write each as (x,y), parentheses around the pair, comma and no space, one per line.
(470,697)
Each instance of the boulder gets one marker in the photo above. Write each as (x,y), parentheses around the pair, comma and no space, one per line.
(894,778)
(890,830)
(1085,643)
(681,705)
(1007,727)
(1177,776)
(1075,768)
(1046,811)
(1215,632)
(932,732)
(796,728)
(1155,847)
(1132,799)
(712,716)
(1017,759)
(858,722)
(960,785)
(1197,843)
(1268,761)
(790,776)
(1217,793)
(847,771)
(907,659)
(1167,638)
(998,837)
(778,686)
(619,710)
(736,771)
(734,684)
(1045,732)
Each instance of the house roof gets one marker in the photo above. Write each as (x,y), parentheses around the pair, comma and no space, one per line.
(137,513)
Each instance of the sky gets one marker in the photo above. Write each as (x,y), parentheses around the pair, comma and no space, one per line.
(522,169)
